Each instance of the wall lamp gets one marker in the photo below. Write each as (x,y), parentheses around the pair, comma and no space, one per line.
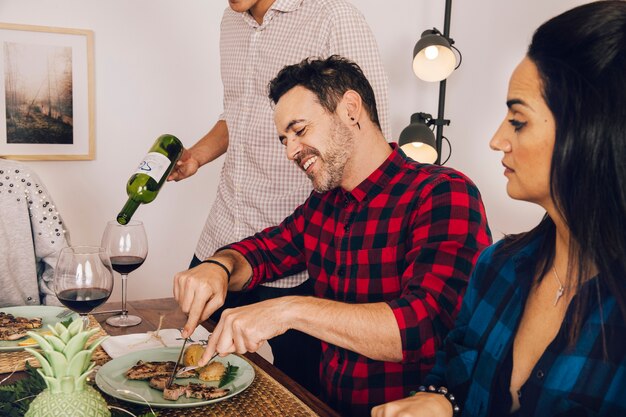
(433,60)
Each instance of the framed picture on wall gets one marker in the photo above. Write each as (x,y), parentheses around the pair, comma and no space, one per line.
(46,91)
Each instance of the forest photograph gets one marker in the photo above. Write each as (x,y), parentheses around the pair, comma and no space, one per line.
(38,93)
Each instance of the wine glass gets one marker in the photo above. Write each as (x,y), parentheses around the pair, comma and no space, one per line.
(128,247)
(83,279)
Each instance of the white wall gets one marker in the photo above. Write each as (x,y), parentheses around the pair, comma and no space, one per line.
(157,71)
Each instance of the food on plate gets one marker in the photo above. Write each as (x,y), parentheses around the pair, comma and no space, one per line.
(213,371)
(158,373)
(13,328)
(147,370)
(30,341)
(192,390)
(192,355)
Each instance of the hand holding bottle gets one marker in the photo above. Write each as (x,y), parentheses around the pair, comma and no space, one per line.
(186,166)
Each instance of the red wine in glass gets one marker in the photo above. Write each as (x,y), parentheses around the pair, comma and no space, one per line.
(83,300)
(126,264)
(83,278)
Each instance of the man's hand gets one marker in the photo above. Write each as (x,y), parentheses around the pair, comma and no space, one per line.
(245,329)
(199,292)
(423,404)
(185,167)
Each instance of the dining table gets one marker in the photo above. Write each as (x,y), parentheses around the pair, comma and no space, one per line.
(272,393)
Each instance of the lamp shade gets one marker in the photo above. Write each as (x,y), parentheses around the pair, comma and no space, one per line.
(433,58)
(418,141)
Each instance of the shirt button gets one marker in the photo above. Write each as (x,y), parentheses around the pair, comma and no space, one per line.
(540,374)
(341,271)
(346,227)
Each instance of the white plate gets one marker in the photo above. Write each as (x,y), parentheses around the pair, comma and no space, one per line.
(48,315)
(112,380)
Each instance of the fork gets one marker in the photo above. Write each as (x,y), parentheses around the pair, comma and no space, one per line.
(64,313)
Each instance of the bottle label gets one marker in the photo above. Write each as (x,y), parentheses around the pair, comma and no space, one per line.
(155,165)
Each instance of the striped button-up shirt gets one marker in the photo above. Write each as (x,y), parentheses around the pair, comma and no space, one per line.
(408,235)
(259,186)
(566,382)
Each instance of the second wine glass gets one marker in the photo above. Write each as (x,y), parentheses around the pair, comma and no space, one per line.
(83,279)
(128,248)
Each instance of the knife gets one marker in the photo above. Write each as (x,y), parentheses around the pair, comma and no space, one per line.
(180,355)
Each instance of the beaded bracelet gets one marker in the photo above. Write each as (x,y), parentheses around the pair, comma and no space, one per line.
(218,263)
(456,409)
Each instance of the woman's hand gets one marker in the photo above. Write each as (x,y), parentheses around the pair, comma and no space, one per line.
(422,404)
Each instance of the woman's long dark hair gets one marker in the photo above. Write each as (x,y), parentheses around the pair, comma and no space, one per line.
(581,58)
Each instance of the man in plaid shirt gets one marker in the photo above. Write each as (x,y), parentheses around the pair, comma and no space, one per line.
(389,242)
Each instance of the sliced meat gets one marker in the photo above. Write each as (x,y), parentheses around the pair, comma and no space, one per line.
(159,382)
(13,328)
(204,392)
(13,322)
(147,370)
(174,392)
(12,334)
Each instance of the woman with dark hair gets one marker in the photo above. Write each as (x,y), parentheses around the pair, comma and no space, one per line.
(541,330)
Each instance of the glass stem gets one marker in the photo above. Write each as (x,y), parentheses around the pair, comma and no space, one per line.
(85,319)
(124,311)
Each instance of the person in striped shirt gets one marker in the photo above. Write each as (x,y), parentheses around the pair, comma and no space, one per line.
(388,242)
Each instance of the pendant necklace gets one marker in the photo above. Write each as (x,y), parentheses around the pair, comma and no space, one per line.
(561,289)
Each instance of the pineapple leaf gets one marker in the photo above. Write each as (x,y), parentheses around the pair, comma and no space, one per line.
(53,383)
(77,343)
(79,363)
(76,326)
(80,381)
(45,365)
(57,361)
(56,343)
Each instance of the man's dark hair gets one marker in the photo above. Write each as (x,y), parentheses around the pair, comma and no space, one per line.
(328,79)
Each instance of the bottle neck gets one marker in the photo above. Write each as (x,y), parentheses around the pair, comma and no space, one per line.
(127,211)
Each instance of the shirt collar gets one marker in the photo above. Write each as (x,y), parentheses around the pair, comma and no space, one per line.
(279,6)
(381,176)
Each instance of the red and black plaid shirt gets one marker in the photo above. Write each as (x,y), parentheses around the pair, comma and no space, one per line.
(409,236)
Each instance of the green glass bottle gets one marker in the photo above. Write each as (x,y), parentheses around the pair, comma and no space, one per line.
(144,185)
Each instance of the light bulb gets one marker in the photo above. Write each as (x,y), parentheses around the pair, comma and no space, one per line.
(417,144)
(431,52)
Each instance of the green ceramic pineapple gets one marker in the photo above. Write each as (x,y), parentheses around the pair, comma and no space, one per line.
(65,364)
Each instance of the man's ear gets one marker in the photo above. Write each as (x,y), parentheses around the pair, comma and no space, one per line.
(351,108)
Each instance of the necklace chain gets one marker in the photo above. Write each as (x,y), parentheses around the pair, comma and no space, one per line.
(561,289)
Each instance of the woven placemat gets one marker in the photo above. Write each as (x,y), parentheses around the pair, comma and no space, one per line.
(264,398)
(16,360)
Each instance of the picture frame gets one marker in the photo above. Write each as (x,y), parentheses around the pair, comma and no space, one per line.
(46,88)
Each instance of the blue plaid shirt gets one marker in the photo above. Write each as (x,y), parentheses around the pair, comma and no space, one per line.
(566,381)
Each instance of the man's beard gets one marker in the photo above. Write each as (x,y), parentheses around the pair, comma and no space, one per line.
(333,161)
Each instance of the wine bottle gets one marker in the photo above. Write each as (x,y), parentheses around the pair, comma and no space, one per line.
(144,185)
